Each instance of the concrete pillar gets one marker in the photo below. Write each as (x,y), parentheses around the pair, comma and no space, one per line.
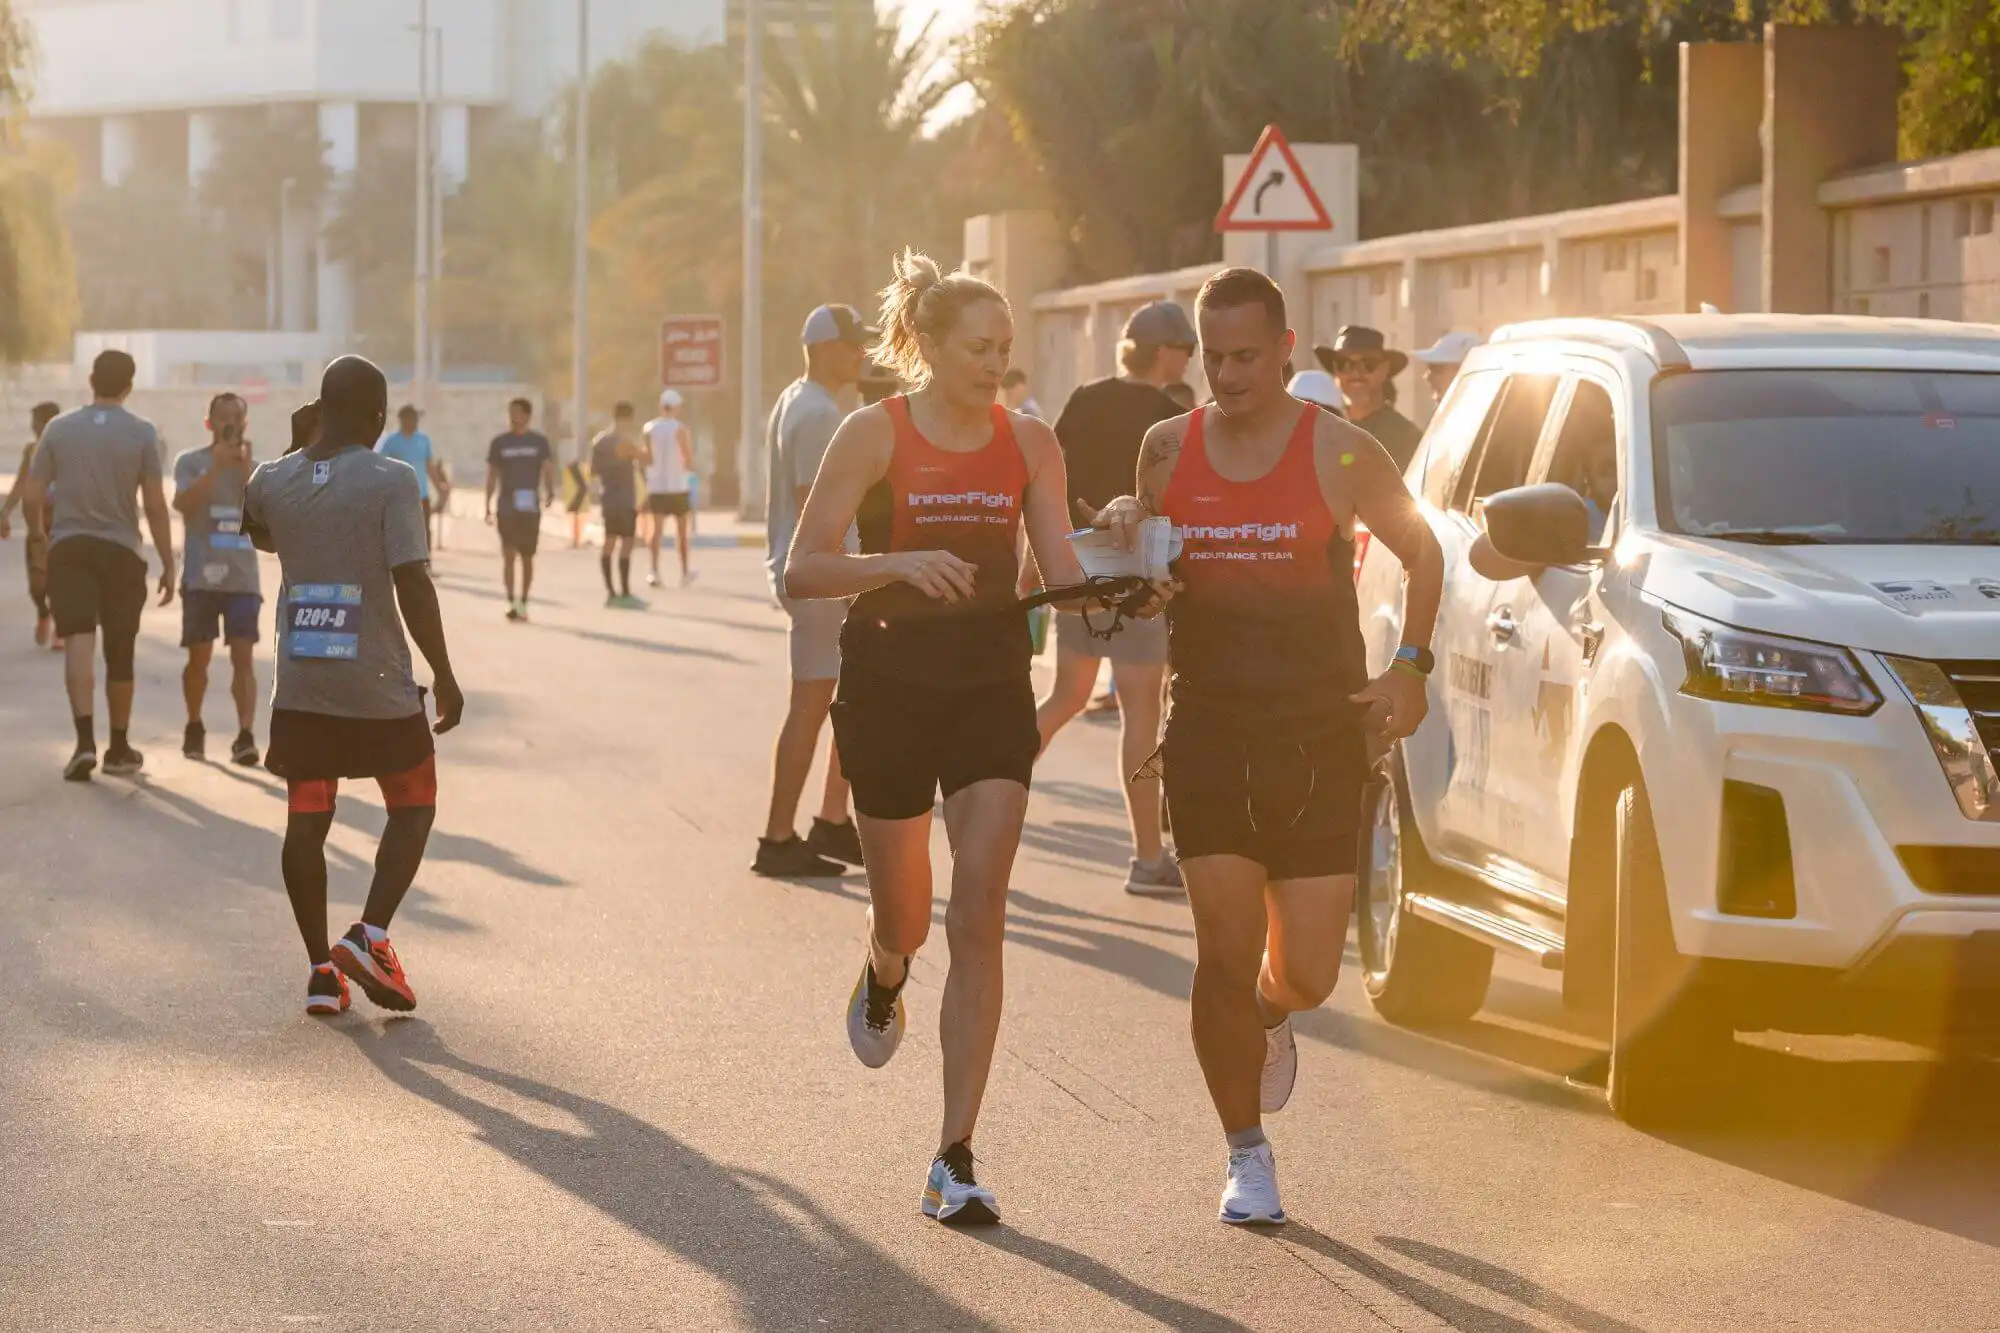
(297,229)
(1022,254)
(340,130)
(201,140)
(1829,108)
(118,148)
(454,131)
(1722,110)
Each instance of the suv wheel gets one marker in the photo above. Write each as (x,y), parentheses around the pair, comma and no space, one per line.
(1416,972)
(1670,1039)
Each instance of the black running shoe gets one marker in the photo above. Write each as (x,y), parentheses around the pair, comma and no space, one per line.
(79,766)
(123,762)
(792,859)
(837,842)
(243,750)
(194,741)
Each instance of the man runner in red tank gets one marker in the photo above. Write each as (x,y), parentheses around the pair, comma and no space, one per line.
(1273,711)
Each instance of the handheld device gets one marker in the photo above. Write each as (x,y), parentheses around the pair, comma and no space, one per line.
(1102,557)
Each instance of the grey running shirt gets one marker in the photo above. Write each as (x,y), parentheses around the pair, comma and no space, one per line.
(96,457)
(220,557)
(795,440)
(340,524)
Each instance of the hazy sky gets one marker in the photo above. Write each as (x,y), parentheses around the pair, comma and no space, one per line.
(952,16)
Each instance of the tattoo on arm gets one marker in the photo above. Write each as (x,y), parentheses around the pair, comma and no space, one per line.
(1157,456)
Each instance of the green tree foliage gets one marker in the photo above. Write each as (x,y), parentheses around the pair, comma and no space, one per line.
(1126,106)
(37,285)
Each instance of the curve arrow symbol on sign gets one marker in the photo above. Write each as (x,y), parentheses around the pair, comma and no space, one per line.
(1276,178)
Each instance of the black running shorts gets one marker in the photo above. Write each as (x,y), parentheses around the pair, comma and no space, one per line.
(902,743)
(93,583)
(620,522)
(311,746)
(1287,797)
(520,533)
(666,504)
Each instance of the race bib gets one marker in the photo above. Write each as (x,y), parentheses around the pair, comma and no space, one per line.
(524,501)
(214,572)
(228,534)
(325,622)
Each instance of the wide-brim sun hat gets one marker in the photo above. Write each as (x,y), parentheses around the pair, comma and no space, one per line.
(1359,338)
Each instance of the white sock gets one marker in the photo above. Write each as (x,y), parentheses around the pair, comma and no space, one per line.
(375,934)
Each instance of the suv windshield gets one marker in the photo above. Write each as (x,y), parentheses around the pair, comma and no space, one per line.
(1838,456)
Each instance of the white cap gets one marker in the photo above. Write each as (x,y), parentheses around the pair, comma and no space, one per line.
(1450,350)
(670,400)
(1316,386)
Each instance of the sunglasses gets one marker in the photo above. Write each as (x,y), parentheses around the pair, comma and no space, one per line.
(1367,365)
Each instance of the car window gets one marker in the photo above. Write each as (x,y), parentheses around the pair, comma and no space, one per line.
(1585,457)
(1506,449)
(1453,430)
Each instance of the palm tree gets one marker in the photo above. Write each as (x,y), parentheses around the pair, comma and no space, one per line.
(37,284)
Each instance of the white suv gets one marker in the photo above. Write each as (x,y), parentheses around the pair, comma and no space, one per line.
(1725,754)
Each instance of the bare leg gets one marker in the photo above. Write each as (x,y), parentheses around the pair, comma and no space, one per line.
(507,571)
(118,694)
(527,575)
(797,740)
(682,539)
(1227,895)
(653,543)
(1076,673)
(194,679)
(1308,930)
(833,803)
(899,891)
(80,673)
(984,823)
(243,682)
(1138,737)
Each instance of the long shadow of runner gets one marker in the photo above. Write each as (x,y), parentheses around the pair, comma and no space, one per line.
(1169,1310)
(787,1261)
(1505,1282)
(1453,1309)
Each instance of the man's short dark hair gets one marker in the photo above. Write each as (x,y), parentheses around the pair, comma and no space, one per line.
(1015,375)
(523,404)
(622,412)
(42,414)
(226,396)
(111,374)
(1243,286)
(407,411)
(353,401)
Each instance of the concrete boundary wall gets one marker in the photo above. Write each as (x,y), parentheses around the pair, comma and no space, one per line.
(1904,239)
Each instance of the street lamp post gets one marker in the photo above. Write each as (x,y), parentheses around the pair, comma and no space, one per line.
(580,385)
(750,440)
(421,335)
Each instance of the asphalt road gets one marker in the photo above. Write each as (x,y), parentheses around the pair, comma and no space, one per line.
(626,1100)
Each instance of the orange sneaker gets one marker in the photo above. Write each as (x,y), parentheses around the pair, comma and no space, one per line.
(373,966)
(326,993)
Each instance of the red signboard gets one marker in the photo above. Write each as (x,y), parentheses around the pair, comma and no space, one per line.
(691,352)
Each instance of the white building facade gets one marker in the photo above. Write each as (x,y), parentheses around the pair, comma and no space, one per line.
(145,83)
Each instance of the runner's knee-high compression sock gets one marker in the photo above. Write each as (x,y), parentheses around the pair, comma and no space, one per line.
(604,563)
(625,573)
(304,862)
(396,862)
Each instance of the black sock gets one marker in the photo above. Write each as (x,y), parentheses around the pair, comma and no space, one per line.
(604,563)
(118,739)
(625,573)
(396,862)
(304,864)
(86,732)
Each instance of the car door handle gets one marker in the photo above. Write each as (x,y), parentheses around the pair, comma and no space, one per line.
(1502,623)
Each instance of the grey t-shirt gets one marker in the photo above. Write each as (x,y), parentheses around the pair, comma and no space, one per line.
(340,524)
(616,475)
(96,458)
(795,440)
(220,557)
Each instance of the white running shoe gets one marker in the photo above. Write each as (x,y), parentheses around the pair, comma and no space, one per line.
(1250,1195)
(875,1017)
(1281,1067)
(952,1196)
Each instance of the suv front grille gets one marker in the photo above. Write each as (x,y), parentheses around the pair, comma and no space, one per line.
(1978,685)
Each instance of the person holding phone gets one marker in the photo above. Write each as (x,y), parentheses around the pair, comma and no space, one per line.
(221,596)
(347,525)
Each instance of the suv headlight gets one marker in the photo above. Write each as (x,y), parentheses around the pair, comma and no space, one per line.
(1741,666)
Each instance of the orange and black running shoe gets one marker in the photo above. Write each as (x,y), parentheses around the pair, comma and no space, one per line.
(373,966)
(326,993)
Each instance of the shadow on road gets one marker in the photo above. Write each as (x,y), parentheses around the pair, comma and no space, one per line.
(788,1263)
(1168,1310)
(646,645)
(1503,1282)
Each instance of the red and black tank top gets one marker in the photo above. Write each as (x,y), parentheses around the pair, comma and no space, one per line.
(968,503)
(1267,623)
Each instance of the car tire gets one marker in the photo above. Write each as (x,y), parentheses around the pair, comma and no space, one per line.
(1416,972)
(1670,1038)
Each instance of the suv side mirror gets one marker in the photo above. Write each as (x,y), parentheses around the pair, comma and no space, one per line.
(1540,525)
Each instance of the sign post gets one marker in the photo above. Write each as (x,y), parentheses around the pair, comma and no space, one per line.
(691,352)
(1273,195)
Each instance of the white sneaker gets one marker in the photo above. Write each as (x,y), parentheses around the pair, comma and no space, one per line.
(1155,879)
(951,1194)
(1250,1195)
(1281,1067)
(875,1018)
